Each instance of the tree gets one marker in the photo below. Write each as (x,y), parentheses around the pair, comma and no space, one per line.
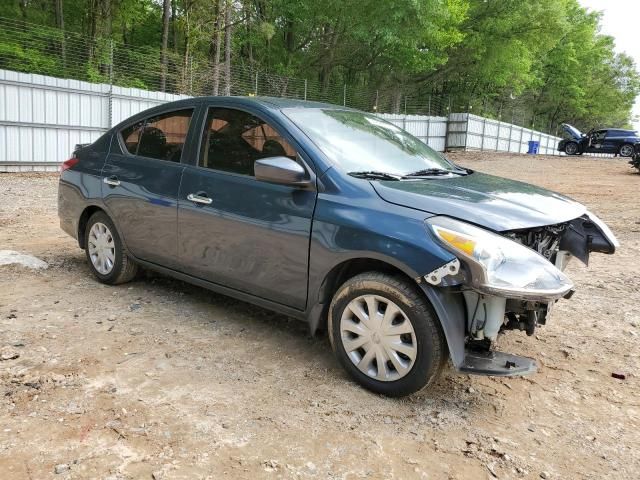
(166,14)
(228,27)
(60,25)
(217,45)
(539,62)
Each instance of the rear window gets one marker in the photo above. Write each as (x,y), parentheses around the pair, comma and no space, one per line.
(621,133)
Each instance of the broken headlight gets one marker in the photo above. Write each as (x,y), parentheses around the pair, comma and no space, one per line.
(499,266)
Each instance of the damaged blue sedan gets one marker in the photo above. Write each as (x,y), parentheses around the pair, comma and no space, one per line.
(335,217)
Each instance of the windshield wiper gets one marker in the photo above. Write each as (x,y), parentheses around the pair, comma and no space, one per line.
(436,171)
(375,175)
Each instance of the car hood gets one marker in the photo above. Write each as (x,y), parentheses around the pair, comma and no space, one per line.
(572,131)
(496,203)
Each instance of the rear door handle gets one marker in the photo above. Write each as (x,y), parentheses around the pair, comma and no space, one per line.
(199,197)
(111,181)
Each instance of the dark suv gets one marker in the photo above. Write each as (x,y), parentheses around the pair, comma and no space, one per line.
(335,217)
(607,140)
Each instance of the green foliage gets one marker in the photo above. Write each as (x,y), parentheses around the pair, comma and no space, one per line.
(539,62)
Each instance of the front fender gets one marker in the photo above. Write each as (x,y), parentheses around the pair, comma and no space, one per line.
(450,308)
(371,228)
(363,230)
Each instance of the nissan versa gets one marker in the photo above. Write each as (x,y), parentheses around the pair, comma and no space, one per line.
(336,217)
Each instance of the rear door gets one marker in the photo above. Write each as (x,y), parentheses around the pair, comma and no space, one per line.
(237,231)
(141,181)
(613,141)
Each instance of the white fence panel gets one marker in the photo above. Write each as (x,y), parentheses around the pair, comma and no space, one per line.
(468,131)
(129,101)
(431,130)
(43,118)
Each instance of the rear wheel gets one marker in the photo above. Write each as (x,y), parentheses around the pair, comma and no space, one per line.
(626,150)
(103,247)
(386,335)
(571,148)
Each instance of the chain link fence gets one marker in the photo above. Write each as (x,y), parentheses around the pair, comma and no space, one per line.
(30,48)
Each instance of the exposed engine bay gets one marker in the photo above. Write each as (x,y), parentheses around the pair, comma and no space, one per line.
(489,315)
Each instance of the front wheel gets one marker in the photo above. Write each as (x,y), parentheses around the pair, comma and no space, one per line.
(385,334)
(626,150)
(103,247)
(571,148)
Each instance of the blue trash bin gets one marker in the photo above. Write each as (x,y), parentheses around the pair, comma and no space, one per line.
(533,147)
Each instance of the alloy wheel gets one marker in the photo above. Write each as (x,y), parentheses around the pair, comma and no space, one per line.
(378,337)
(102,249)
(571,148)
(626,150)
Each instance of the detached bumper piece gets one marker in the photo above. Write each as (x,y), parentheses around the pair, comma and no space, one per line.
(498,364)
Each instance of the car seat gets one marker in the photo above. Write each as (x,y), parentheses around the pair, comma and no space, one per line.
(273,148)
(153,143)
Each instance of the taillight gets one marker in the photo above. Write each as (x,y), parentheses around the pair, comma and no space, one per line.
(68,164)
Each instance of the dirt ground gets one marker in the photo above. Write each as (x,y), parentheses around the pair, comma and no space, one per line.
(160,379)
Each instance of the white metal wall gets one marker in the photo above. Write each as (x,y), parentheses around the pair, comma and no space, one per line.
(43,118)
(471,132)
(431,130)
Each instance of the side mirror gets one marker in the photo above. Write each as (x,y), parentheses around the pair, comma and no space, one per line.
(281,170)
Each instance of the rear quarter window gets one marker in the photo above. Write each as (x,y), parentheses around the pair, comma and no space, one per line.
(131,137)
(161,137)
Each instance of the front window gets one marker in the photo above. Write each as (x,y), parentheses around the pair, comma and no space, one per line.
(598,137)
(233,140)
(356,142)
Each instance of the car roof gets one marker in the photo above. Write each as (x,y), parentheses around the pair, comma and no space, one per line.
(604,129)
(281,103)
(275,103)
(626,130)
(270,103)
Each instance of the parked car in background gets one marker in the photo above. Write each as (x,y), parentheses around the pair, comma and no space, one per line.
(607,140)
(335,217)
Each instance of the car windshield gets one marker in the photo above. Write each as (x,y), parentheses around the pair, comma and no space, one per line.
(357,142)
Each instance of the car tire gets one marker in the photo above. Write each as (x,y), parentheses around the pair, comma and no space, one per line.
(571,148)
(626,150)
(105,254)
(411,331)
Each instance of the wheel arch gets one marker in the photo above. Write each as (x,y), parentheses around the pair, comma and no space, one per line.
(624,144)
(336,276)
(448,306)
(84,219)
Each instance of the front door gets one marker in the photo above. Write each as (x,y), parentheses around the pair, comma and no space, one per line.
(141,180)
(237,231)
(596,141)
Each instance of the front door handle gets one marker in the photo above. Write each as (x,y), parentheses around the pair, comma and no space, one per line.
(112,181)
(199,197)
